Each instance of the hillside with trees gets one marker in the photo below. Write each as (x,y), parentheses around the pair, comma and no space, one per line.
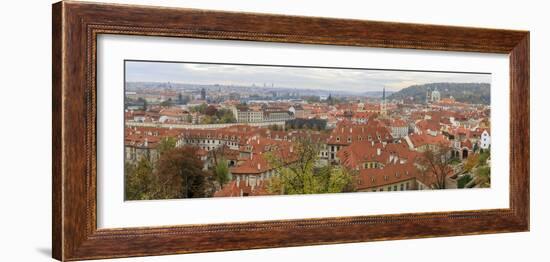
(472,93)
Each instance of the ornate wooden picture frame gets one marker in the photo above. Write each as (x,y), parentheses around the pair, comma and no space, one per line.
(76,26)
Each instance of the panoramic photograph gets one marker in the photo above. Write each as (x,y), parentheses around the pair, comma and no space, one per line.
(201,130)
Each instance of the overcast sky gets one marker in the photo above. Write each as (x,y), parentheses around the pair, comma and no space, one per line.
(358,80)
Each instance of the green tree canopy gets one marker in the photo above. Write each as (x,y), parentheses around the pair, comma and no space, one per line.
(305,176)
(221,172)
(137,180)
(225,116)
(167,102)
(166,144)
(484,176)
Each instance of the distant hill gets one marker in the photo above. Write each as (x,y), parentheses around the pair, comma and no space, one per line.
(376,94)
(473,93)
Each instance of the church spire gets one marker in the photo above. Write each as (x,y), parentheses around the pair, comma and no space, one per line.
(383,106)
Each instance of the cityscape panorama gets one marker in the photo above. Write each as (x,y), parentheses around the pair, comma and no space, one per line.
(199,130)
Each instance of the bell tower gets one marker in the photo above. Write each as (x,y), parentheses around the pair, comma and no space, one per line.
(383,105)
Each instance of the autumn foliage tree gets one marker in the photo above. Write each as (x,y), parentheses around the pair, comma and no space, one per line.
(180,175)
(436,161)
(471,162)
(210,111)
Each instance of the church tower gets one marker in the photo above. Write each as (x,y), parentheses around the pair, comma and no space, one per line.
(383,106)
(436,95)
(428,96)
(203,94)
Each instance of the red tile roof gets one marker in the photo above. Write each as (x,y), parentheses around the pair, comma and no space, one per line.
(355,155)
(425,139)
(390,174)
(235,189)
(345,133)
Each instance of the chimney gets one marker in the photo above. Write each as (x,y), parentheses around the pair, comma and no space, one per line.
(291,149)
(378,151)
(259,166)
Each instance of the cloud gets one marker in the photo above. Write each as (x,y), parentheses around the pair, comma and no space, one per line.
(358,80)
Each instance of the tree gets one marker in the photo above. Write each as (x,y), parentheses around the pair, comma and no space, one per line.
(312,99)
(274,127)
(304,176)
(228,118)
(137,180)
(166,144)
(180,175)
(476,148)
(221,172)
(189,118)
(200,108)
(167,102)
(225,116)
(471,162)
(437,162)
(483,172)
(182,100)
(483,156)
(207,120)
(143,102)
(483,176)
(210,111)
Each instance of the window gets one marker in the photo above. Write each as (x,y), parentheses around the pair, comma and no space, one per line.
(395,188)
(389,188)
(402,187)
(407,186)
